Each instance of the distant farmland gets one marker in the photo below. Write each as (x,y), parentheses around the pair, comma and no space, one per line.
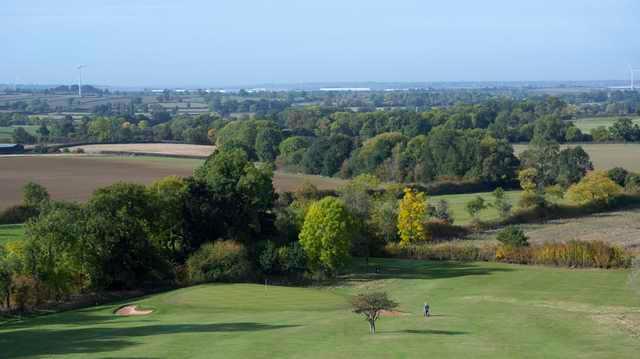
(75,177)
(607,155)
(587,124)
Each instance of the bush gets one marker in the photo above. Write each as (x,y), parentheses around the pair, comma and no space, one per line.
(221,261)
(632,183)
(618,175)
(268,258)
(443,230)
(593,254)
(512,236)
(292,259)
(25,293)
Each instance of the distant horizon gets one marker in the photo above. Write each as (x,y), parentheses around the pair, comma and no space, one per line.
(406,85)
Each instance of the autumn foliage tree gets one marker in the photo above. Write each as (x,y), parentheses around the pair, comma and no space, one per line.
(596,187)
(412,212)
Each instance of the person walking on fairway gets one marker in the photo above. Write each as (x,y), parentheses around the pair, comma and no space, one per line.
(426,310)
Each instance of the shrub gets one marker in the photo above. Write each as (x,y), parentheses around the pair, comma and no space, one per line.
(512,236)
(292,258)
(618,175)
(34,195)
(268,258)
(632,183)
(221,261)
(25,293)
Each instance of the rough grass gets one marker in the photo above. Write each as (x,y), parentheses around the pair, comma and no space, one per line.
(607,155)
(480,310)
(587,124)
(11,232)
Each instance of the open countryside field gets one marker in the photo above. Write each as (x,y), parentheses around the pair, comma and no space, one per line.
(458,202)
(75,177)
(480,310)
(587,124)
(11,232)
(606,155)
(621,228)
(152,148)
(7,132)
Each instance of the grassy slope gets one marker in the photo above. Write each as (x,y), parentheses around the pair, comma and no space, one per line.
(458,202)
(587,124)
(480,310)
(11,232)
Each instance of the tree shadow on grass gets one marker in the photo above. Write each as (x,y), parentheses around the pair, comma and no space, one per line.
(414,269)
(432,331)
(42,342)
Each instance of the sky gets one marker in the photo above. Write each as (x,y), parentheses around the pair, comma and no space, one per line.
(212,43)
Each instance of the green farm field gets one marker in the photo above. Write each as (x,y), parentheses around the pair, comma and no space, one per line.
(7,132)
(480,310)
(458,202)
(11,232)
(589,123)
(606,155)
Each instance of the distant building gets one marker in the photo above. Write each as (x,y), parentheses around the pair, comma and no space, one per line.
(10,149)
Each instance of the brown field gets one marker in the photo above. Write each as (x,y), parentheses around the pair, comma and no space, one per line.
(155,148)
(607,155)
(75,177)
(621,228)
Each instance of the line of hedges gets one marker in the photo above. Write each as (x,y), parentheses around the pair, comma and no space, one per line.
(572,254)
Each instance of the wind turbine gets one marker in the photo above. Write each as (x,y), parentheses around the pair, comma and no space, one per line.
(80,67)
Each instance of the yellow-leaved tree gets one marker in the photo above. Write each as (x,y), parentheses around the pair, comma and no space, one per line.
(595,187)
(411,215)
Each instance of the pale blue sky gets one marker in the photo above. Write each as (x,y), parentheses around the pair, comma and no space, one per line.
(225,42)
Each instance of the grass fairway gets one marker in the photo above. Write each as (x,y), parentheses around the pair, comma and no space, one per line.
(587,124)
(480,310)
(11,232)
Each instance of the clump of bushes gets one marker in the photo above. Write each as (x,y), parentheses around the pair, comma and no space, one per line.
(574,254)
(512,236)
(220,261)
(441,251)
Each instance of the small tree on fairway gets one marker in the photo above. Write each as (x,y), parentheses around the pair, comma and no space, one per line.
(370,305)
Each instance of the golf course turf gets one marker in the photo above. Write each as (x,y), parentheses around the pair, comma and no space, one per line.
(480,310)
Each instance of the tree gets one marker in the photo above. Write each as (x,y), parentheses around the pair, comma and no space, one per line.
(168,196)
(501,203)
(267,142)
(573,164)
(441,212)
(371,305)
(600,134)
(596,187)
(475,206)
(618,175)
(326,235)
(115,239)
(20,135)
(34,195)
(411,216)
(624,130)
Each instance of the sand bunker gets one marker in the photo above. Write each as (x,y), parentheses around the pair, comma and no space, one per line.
(128,310)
